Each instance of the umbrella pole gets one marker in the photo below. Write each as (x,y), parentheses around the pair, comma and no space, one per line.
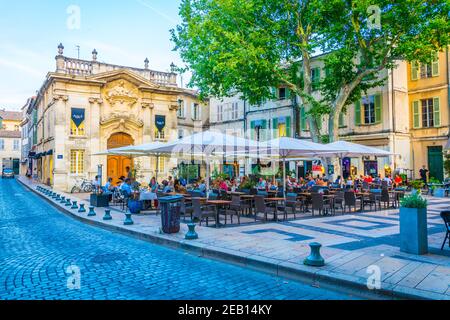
(284,177)
(207,177)
(157,167)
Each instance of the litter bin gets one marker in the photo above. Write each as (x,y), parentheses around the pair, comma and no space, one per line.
(170,213)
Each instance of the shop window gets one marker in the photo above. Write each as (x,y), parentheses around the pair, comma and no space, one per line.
(77,162)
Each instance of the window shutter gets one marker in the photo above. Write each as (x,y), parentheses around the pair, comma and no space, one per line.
(192,111)
(435,67)
(341,120)
(288,93)
(275,127)
(414,70)
(319,123)
(358,113)
(263,135)
(288,126)
(303,119)
(437,112)
(378,108)
(416,115)
(252,130)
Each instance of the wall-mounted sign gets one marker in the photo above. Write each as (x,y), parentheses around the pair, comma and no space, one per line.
(78,116)
(60,157)
(160,122)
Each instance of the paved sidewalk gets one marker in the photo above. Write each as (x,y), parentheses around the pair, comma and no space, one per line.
(355,248)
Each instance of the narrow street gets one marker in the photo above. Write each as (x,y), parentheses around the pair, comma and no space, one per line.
(38,244)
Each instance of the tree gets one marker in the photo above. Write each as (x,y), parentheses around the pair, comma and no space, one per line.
(253,45)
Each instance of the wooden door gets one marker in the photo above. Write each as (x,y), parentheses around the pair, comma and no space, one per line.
(117,164)
(436,163)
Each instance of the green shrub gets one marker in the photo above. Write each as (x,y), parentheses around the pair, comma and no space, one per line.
(414,201)
(417,184)
(434,180)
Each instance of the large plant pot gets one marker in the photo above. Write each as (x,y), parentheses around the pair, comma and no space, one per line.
(413,231)
(99,200)
(439,192)
(134,206)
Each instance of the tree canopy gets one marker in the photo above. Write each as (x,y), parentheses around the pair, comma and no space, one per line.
(253,45)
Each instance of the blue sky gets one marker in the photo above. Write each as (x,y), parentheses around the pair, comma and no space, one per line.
(123,32)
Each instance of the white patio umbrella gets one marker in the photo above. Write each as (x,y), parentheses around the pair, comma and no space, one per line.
(208,143)
(352,150)
(286,147)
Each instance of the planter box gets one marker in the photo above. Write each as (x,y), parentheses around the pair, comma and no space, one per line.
(99,200)
(440,193)
(413,231)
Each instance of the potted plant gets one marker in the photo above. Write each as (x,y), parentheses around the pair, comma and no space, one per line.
(416,186)
(413,224)
(134,205)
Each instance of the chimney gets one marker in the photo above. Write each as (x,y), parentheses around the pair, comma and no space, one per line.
(94,55)
(146,63)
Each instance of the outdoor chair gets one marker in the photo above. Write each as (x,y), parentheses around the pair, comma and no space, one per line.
(125,197)
(321,204)
(384,184)
(261,208)
(388,198)
(291,204)
(339,200)
(201,213)
(235,209)
(373,199)
(349,200)
(243,205)
(186,209)
(446,217)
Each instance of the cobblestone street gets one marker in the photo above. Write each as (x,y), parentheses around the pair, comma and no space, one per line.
(38,244)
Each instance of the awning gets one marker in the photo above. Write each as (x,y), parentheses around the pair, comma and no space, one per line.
(49,153)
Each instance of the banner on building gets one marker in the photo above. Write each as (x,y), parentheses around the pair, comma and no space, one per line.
(78,116)
(160,122)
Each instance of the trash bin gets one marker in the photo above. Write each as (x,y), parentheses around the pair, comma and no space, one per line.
(170,213)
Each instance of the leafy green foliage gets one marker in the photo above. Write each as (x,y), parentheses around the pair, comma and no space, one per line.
(414,201)
(447,165)
(250,46)
(417,184)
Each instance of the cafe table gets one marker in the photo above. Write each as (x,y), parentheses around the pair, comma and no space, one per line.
(217,204)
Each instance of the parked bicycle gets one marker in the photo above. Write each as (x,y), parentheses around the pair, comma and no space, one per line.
(82,185)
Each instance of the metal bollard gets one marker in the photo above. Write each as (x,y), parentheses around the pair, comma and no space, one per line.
(315,259)
(91,212)
(74,205)
(107,215)
(191,234)
(128,221)
(58,197)
(82,208)
(68,202)
(63,199)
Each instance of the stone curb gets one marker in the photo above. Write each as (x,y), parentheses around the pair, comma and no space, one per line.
(284,269)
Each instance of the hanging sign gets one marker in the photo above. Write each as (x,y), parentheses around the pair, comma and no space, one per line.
(77,116)
(160,122)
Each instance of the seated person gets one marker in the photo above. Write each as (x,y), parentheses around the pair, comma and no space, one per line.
(126,187)
(153,185)
(202,186)
(261,184)
(223,185)
(166,187)
(311,183)
(398,180)
(108,186)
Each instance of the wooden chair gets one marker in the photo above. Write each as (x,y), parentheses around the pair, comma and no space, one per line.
(234,209)
(373,199)
(292,204)
(388,198)
(339,200)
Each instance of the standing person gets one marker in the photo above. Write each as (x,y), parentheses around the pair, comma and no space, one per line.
(423,174)
(128,172)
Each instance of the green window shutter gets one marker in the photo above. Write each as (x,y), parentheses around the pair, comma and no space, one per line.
(435,67)
(302,119)
(288,126)
(416,115)
(288,93)
(414,70)
(437,112)
(275,127)
(378,108)
(358,113)
(315,78)
(252,130)
(264,130)
(341,120)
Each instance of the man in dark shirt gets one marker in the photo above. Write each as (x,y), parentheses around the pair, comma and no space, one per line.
(423,174)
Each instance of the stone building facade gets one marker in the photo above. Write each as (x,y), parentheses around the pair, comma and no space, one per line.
(86,107)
